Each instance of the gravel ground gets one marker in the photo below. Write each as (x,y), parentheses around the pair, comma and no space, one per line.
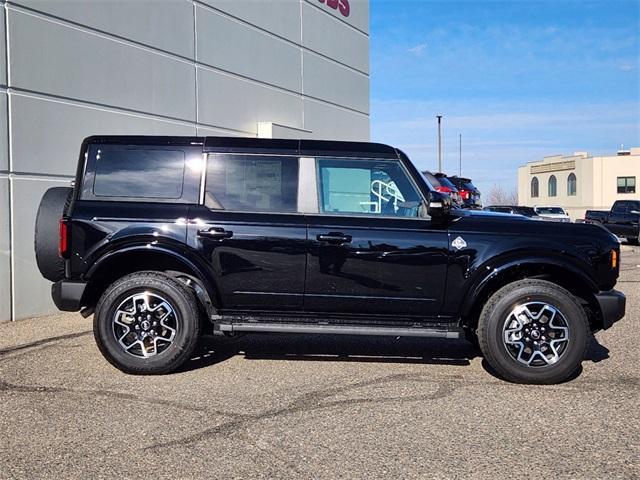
(307,406)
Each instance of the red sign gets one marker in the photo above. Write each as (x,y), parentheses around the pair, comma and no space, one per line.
(342,5)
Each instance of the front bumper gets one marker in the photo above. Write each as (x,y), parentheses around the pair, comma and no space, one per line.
(612,307)
(67,294)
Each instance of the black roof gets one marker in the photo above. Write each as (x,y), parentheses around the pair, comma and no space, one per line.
(259,145)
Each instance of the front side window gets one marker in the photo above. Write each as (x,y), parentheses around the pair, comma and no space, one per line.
(534,187)
(572,185)
(137,172)
(626,184)
(553,186)
(366,187)
(252,183)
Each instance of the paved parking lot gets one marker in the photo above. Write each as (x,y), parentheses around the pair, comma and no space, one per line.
(314,407)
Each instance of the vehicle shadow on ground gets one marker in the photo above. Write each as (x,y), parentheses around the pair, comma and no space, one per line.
(333,348)
(348,348)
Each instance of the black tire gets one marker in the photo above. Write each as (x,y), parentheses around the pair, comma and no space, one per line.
(53,205)
(496,313)
(187,320)
(632,240)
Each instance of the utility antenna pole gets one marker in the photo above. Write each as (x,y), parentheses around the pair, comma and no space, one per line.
(439,117)
(460,173)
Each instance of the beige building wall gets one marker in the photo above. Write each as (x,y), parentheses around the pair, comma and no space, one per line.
(596,178)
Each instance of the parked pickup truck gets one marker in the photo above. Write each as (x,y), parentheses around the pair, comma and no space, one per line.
(163,238)
(622,220)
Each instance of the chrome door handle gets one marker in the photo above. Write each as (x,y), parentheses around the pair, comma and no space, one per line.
(334,238)
(216,233)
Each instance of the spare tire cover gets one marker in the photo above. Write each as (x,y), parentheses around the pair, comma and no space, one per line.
(54,204)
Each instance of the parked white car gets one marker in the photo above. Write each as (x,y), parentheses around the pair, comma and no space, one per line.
(556,214)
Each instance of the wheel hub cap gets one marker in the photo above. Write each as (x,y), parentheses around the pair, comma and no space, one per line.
(536,334)
(145,324)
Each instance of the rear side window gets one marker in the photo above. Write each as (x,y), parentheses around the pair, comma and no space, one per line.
(252,183)
(139,172)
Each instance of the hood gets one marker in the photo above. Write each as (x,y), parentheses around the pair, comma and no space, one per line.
(505,223)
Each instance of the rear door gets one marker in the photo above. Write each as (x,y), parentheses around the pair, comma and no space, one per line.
(371,251)
(249,231)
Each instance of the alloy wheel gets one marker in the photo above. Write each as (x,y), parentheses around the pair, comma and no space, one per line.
(536,334)
(145,324)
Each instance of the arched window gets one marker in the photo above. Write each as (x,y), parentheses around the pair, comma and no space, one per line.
(572,185)
(553,186)
(535,191)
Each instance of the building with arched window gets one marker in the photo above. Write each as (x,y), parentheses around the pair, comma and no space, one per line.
(553,186)
(572,184)
(535,187)
(581,181)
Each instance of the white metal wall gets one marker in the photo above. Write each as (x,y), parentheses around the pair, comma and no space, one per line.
(74,68)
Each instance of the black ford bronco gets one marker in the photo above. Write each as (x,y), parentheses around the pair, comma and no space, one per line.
(163,238)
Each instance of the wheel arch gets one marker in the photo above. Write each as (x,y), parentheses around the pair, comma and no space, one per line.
(553,270)
(116,264)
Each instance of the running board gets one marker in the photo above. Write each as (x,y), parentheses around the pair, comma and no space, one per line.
(342,330)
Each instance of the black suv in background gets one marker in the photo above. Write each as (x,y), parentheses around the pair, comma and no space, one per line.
(162,238)
(441,183)
(469,193)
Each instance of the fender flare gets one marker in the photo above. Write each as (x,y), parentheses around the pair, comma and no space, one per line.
(483,280)
(197,267)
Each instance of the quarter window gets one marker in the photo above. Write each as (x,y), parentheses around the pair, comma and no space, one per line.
(252,183)
(535,190)
(626,184)
(137,172)
(366,187)
(572,185)
(553,186)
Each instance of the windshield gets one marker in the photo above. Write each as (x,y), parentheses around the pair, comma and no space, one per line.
(550,210)
(527,211)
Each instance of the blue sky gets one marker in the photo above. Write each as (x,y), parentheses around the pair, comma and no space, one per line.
(520,80)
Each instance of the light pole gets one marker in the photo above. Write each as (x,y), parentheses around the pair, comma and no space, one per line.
(460,165)
(439,117)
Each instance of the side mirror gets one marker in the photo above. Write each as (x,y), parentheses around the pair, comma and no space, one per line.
(439,206)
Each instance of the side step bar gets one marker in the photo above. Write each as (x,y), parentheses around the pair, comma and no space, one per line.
(342,330)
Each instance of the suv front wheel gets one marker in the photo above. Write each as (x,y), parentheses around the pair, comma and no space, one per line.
(533,331)
(147,323)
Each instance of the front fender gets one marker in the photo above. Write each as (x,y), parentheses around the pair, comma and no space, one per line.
(485,276)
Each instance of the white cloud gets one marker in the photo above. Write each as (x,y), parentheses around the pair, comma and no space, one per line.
(418,49)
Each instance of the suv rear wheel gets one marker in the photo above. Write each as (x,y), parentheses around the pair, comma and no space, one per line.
(533,331)
(147,323)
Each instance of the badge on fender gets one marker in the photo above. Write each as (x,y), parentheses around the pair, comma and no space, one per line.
(459,243)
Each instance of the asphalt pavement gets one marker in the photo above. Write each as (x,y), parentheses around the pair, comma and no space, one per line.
(303,406)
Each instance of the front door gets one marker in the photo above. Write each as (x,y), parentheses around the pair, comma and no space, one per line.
(371,249)
(250,232)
